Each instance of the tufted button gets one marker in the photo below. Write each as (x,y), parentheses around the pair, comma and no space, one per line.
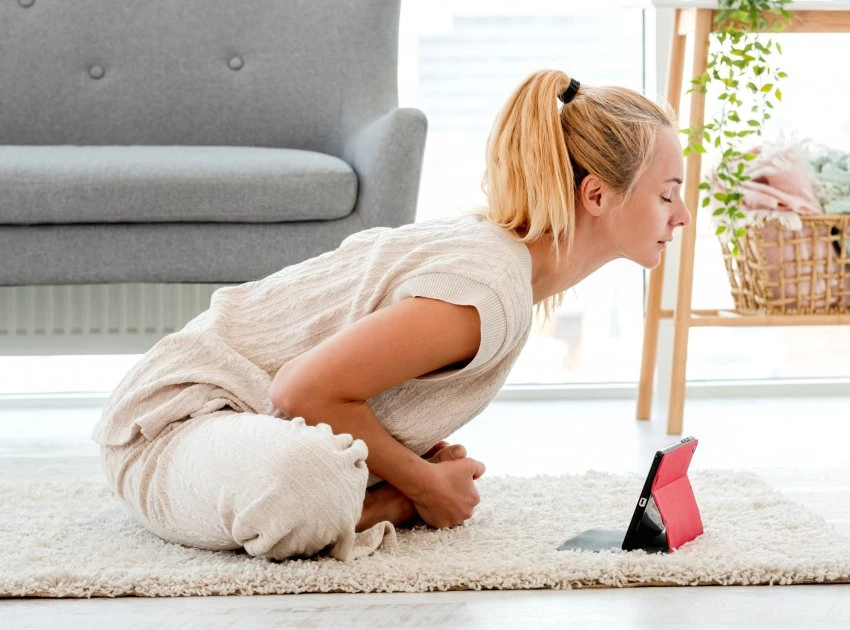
(235,63)
(26,3)
(96,72)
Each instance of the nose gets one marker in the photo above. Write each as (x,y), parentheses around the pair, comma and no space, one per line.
(682,217)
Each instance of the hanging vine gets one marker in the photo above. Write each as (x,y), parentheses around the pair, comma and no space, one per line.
(743,67)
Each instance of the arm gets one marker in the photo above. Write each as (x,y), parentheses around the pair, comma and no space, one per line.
(332,382)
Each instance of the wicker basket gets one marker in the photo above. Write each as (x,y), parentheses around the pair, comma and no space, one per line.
(779,271)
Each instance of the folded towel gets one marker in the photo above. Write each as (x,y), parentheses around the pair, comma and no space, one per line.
(781,185)
(831,171)
(781,180)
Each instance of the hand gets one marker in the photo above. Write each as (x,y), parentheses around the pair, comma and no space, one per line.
(439,452)
(448,493)
(432,452)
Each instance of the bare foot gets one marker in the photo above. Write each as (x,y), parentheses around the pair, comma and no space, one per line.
(385,502)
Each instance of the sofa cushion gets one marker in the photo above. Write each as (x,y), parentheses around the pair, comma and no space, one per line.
(142,184)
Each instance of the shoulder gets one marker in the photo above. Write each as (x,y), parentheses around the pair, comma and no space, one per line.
(463,244)
(467,262)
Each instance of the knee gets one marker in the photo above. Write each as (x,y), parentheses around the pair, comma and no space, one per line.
(315,494)
(299,450)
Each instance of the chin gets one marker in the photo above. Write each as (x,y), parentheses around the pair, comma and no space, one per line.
(652,264)
(647,261)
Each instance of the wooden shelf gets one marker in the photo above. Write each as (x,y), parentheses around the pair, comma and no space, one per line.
(723,317)
(695,22)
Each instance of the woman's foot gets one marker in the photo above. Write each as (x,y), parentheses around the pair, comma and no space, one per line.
(385,502)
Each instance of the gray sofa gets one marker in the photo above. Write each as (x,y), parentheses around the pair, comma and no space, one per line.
(197,141)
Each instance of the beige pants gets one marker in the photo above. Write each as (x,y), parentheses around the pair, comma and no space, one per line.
(229,480)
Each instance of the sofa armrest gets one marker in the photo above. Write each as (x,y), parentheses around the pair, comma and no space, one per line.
(387,156)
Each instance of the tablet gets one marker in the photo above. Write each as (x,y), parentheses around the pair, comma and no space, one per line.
(666,514)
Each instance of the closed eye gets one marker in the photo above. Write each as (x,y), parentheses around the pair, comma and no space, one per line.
(667,200)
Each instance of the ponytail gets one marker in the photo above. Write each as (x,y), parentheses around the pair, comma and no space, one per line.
(529,181)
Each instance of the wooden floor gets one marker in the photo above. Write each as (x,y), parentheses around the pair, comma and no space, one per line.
(800,445)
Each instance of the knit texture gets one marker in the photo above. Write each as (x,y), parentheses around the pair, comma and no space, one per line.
(227,356)
(231,480)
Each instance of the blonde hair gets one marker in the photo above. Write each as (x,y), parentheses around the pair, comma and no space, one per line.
(537,155)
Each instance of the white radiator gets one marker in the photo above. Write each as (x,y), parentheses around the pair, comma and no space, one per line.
(95,318)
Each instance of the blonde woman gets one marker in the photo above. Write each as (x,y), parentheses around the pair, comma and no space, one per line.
(306,412)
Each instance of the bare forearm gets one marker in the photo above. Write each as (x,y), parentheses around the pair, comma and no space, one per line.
(388,458)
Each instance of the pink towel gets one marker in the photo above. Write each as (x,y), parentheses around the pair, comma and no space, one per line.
(780,181)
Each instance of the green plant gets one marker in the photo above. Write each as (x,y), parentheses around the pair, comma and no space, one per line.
(741,65)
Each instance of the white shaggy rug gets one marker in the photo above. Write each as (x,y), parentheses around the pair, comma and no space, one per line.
(75,539)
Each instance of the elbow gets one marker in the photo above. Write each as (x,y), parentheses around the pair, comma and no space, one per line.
(289,407)
(296,396)
(285,399)
(282,390)
(298,402)
(288,392)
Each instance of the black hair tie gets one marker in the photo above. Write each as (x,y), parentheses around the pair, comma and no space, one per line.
(567,95)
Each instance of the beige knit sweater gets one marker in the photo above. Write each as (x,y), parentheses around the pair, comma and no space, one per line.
(227,356)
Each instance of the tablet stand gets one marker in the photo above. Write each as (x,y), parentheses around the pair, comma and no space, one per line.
(675,499)
(649,536)
(668,518)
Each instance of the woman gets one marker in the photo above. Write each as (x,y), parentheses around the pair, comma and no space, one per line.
(262,422)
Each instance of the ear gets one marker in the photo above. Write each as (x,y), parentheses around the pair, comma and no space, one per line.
(592,195)
(595,196)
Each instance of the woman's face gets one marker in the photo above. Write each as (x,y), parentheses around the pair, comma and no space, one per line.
(643,227)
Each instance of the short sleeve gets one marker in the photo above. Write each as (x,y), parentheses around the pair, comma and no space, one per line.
(458,289)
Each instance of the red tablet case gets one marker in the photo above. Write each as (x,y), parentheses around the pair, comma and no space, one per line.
(675,499)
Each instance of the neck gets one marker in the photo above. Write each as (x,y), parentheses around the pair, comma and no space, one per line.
(549,278)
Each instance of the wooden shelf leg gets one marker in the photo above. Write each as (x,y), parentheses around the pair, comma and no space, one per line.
(682,313)
(675,72)
(650,342)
